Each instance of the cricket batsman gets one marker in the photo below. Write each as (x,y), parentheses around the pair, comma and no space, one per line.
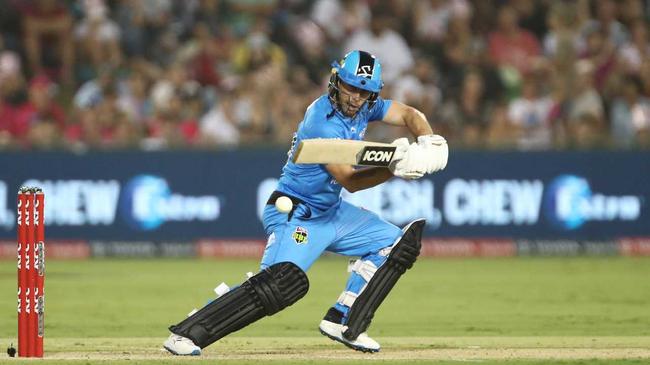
(319,220)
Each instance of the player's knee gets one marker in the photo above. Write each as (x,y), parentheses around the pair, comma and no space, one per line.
(267,262)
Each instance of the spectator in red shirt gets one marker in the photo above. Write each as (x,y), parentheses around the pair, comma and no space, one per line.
(47,27)
(39,116)
(511,46)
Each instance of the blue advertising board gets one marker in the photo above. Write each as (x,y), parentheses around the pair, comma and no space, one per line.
(184,196)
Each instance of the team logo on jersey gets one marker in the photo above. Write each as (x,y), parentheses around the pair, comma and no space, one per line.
(300,235)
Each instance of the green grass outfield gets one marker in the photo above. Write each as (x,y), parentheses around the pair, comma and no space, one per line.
(585,310)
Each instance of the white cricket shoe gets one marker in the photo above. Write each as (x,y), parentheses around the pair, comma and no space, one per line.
(183,346)
(335,331)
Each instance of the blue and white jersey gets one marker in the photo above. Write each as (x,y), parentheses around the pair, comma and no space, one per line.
(311,182)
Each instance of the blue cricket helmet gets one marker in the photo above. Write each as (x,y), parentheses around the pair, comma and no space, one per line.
(359,69)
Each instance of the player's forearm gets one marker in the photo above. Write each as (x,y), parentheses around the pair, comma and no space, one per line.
(417,122)
(366,178)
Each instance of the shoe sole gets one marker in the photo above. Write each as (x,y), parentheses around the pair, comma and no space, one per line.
(354,347)
(194,353)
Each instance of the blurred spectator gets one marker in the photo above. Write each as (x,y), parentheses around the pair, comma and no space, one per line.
(46,118)
(13,89)
(176,125)
(465,49)
(484,15)
(632,10)
(419,88)
(218,127)
(10,25)
(146,28)
(469,109)
(501,133)
(103,125)
(561,48)
(563,30)
(286,115)
(245,14)
(47,25)
(513,47)
(212,13)
(205,54)
(630,114)
(383,42)
(6,139)
(587,132)
(586,100)
(13,96)
(91,92)
(531,15)
(644,75)
(607,12)
(157,13)
(133,99)
(176,79)
(530,113)
(462,49)
(601,53)
(41,115)
(340,18)
(632,53)
(98,36)
(249,110)
(131,20)
(257,52)
(9,66)
(431,19)
(310,49)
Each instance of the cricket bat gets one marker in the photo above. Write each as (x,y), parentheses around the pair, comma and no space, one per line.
(344,151)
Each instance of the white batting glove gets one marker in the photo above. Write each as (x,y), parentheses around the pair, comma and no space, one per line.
(436,150)
(413,165)
(402,147)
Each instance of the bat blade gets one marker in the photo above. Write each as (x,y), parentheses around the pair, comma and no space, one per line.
(342,151)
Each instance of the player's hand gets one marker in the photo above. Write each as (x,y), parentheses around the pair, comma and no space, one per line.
(436,151)
(402,146)
(412,164)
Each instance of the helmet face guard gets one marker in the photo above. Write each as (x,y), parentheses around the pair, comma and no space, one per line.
(358,69)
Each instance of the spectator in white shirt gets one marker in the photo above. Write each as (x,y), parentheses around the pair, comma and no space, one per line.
(531,113)
(384,43)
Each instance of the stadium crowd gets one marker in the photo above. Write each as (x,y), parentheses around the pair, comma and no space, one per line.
(158,74)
